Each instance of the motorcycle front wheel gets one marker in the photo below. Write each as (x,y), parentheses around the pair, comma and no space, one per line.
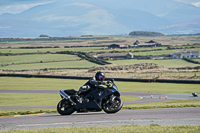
(112,106)
(65,107)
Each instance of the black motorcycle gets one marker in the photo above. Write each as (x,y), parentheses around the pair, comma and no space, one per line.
(107,99)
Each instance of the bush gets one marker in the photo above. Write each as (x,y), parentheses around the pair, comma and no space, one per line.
(43,35)
(145,33)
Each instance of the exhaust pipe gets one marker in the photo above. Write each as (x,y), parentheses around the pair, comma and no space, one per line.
(64,95)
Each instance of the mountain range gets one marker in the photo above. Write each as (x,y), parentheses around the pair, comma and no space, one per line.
(102,17)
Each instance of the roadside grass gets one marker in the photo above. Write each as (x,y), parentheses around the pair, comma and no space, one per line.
(14,112)
(129,98)
(21,99)
(29,99)
(165,104)
(158,87)
(61,84)
(153,128)
(154,105)
(40,83)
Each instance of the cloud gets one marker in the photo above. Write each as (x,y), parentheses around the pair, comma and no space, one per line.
(18,7)
(81,4)
(6,27)
(191,2)
(197,4)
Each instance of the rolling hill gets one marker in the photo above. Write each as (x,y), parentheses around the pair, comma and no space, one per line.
(101,17)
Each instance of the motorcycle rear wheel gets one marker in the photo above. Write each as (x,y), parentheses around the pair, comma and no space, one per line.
(112,107)
(65,107)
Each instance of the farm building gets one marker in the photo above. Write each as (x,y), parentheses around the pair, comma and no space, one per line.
(115,56)
(114,46)
(185,54)
(151,43)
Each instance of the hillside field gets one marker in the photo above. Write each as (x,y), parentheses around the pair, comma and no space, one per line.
(62,57)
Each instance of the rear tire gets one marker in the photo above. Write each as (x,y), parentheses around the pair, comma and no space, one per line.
(112,107)
(65,107)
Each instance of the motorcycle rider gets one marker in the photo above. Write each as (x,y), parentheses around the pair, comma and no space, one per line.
(93,83)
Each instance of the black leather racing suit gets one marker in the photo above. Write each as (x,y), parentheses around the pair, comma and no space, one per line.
(91,84)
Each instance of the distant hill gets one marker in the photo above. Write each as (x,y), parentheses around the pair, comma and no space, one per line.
(102,17)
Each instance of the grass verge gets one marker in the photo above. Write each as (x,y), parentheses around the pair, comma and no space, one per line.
(25,112)
(153,128)
(25,100)
(58,84)
(165,104)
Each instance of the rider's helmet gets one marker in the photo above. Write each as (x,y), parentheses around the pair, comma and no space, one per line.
(100,76)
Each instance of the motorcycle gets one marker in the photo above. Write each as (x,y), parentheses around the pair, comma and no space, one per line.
(105,98)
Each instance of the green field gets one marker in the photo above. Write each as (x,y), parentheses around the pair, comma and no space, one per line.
(166,63)
(35,60)
(135,51)
(43,50)
(42,61)
(65,64)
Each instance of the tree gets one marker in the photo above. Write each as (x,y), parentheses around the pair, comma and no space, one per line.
(145,33)
(42,35)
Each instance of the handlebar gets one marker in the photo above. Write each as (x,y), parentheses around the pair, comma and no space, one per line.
(108,84)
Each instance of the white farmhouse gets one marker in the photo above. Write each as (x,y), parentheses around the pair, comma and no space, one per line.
(185,54)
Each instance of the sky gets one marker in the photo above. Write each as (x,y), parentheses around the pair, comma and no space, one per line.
(17,6)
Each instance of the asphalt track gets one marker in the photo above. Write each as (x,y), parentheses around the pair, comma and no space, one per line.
(168,116)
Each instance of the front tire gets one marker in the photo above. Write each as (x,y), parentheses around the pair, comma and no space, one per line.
(65,107)
(112,106)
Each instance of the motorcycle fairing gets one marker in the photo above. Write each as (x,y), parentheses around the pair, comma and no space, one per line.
(70,92)
(97,99)
(89,105)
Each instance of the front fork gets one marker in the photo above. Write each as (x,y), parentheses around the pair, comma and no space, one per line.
(112,98)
